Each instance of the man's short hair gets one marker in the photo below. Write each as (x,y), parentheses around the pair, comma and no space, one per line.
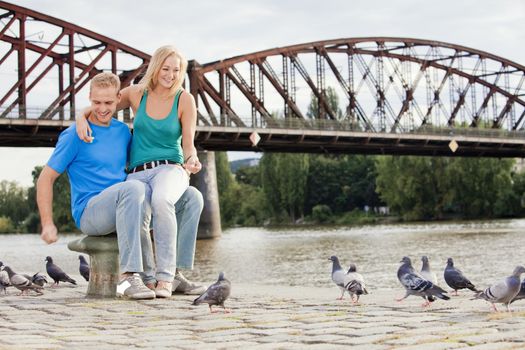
(105,79)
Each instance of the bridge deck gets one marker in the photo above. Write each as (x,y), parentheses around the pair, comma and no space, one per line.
(486,143)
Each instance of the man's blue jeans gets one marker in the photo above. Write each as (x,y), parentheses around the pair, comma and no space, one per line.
(122,208)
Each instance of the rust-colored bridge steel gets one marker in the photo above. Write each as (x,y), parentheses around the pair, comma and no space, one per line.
(377,95)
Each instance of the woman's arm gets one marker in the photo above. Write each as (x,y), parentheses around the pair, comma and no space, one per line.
(188,119)
(129,97)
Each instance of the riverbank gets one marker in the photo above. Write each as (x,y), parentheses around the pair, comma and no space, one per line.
(262,317)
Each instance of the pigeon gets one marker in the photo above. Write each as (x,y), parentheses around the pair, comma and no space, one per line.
(4,279)
(84,267)
(39,279)
(521,294)
(357,285)
(504,291)
(351,281)
(56,272)
(216,294)
(415,284)
(425,271)
(20,282)
(455,278)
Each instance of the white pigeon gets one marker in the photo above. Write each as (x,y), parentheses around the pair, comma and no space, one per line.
(357,286)
(4,279)
(426,272)
(353,282)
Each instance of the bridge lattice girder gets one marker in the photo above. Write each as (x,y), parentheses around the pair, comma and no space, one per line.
(381,84)
(354,95)
(39,47)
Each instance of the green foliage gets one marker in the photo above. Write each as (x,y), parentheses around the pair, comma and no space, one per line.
(480,187)
(249,176)
(355,217)
(6,225)
(322,213)
(343,182)
(61,204)
(241,202)
(13,202)
(331,99)
(284,177)
(419,188)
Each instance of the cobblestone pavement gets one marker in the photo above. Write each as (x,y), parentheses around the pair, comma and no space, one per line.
(262,317)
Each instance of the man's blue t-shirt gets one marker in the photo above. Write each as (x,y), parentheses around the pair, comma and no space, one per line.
(91,167)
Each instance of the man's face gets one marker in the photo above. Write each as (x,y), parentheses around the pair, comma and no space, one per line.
(104,102)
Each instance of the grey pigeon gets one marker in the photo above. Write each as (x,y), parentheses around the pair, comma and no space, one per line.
(39,279)
(357,284)
(504,291)
(455,278)
(56,272)
(415,284)
(216,294)
(84,267)
(4,279)
(20,282)
(425,271)
(351,281)
(521,294)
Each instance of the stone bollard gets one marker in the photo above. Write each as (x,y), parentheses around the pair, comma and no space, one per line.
(103,263)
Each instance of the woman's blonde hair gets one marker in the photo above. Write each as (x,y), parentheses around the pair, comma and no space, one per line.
(157,60)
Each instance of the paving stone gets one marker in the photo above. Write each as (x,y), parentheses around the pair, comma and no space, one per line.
(262,318)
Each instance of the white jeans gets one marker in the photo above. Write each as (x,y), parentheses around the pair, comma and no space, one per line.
(165,184)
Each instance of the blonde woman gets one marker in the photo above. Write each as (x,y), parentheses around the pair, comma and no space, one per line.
(162,155)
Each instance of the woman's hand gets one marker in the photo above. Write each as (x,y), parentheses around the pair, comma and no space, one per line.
(83,129)
(193,165)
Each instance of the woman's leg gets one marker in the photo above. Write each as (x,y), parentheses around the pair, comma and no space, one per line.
(168,184)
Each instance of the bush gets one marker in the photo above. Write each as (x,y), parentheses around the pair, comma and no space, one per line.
(356,217)
(321,213)
(6,225)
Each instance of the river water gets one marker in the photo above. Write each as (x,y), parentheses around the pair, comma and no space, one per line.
(484,250)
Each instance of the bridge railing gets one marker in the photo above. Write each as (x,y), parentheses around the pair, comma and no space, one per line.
(342,125)
(353,126)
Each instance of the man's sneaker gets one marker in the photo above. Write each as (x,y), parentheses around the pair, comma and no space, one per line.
(133,288)
(182,285)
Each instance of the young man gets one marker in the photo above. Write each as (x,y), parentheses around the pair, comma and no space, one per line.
(101,201)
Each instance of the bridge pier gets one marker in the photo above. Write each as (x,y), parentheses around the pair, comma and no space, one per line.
(206,182)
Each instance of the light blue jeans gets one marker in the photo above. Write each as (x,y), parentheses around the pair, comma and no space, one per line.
(165,184)
(122,208)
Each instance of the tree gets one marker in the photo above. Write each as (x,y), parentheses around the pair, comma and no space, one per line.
(61,204)
(283,178)
(331,99)
(342,182)
(13,202)
(480,187)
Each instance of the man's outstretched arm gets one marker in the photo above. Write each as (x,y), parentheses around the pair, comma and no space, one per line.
(44,200)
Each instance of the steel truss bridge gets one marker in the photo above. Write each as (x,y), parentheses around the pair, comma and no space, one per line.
(377,95)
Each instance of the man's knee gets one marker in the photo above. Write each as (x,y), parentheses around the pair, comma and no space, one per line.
(194,198)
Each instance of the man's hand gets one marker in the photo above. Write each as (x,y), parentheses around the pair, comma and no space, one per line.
(49,233)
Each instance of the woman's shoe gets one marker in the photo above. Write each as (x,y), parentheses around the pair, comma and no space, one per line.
(163,289)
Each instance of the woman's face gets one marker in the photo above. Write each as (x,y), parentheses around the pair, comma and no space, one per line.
(169,72)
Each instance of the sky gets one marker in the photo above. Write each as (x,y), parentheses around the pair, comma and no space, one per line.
(211,30)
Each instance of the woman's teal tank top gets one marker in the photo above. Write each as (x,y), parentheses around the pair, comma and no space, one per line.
(156,139)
